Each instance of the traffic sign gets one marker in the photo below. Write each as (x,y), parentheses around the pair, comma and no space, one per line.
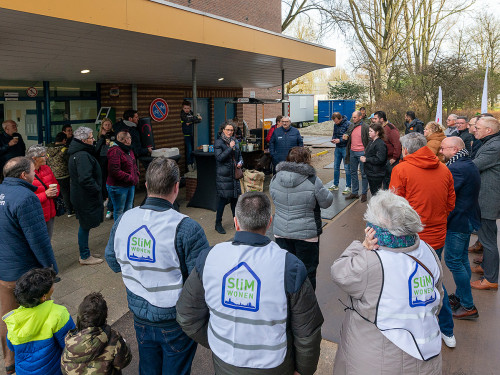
(31,92)
(158,109)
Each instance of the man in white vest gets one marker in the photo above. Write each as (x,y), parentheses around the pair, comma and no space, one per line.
(155,248)
(251,302)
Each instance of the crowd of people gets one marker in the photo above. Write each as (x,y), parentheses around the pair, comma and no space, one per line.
(251,300)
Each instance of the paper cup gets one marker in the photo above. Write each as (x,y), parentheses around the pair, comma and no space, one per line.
(52,186)
(250,147)
(205,148)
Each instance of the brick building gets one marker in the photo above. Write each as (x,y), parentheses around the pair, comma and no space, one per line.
(146,49)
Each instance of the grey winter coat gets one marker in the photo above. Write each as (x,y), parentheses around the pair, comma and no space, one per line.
(298,195)
(363,348)
(225,159)
(487,160)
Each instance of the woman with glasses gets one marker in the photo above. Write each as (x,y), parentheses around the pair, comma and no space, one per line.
(86,189)
(46,183)
(227,158)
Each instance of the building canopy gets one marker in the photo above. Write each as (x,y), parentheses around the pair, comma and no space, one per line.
(145,41)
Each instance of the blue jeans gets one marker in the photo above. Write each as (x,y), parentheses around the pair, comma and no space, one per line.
(189,145)
(164,351)
(445,315)
(339,156)
(122,198)
(83,242)
(456,257)
(353,163)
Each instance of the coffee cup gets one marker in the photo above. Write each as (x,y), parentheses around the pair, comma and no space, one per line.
(52,186)
(15,137)
(205,148)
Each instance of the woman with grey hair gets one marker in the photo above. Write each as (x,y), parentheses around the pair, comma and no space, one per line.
(394,283)
(86,189)
(45,181)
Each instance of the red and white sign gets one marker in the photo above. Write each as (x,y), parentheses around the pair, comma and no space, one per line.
(158,109)
(31,92)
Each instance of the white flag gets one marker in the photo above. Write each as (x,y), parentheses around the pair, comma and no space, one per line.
(439,109)
(484,101)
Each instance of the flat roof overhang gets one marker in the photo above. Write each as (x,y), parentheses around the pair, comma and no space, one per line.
(145,41)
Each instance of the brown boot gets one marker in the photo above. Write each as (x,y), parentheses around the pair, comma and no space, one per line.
(483,284)
(476,248)
(363,198)
(352,196)
(477,269)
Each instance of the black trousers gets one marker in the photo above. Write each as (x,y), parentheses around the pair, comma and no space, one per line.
(307,252)
(375,183)
(64,183)
(388,172)
(221,204)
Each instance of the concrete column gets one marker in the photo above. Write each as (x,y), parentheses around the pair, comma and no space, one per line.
(195,99)
(283,109)
(134,97)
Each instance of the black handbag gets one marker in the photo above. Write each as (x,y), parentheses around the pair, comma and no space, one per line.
(58,201)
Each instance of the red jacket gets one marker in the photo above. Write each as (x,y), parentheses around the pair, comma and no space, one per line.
(392,142)
(427,184)
(122,167)
(270,133)
(45,174)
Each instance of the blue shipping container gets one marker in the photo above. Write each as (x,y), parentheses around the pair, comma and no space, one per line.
(327,107)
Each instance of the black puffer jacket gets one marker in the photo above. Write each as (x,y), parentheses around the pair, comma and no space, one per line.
(86,180)
(225,159)
(376,158)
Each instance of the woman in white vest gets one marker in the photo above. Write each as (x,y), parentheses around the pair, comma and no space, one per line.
(394,281)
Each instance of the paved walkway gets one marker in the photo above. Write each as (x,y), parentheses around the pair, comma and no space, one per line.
(477,341)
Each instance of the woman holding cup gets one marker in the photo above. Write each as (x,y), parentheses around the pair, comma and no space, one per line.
(46,183)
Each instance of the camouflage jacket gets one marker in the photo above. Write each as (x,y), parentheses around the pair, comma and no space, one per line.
(58,160)
(95,350)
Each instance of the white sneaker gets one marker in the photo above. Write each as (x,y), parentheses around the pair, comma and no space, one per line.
(109,215)
(90,261)
(450,342)
(347,191)
(333,188)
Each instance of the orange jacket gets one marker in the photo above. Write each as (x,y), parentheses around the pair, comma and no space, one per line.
(427,184)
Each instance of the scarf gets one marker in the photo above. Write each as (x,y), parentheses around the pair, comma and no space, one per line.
(460,154)
(225,138)
(387,239)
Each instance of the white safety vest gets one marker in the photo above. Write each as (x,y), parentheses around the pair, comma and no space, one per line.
(245,292)
(408,305)
(145,249)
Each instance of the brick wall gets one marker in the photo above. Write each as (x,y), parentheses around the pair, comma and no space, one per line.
(167,133)
(270,110)
(261,13)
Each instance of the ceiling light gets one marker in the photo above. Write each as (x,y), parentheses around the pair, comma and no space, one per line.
(85,71)
(221,79)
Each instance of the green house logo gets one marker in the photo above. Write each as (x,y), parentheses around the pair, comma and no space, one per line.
(141,245)
(241,288)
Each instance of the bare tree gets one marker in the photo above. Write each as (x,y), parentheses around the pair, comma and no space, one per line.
(294,9)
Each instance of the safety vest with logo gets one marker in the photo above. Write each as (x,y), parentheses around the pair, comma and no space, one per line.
(245,292)
(409,301)
(145,249)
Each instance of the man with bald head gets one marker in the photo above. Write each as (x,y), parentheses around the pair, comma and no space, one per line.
(487,160)
(11,143)
(462,221)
